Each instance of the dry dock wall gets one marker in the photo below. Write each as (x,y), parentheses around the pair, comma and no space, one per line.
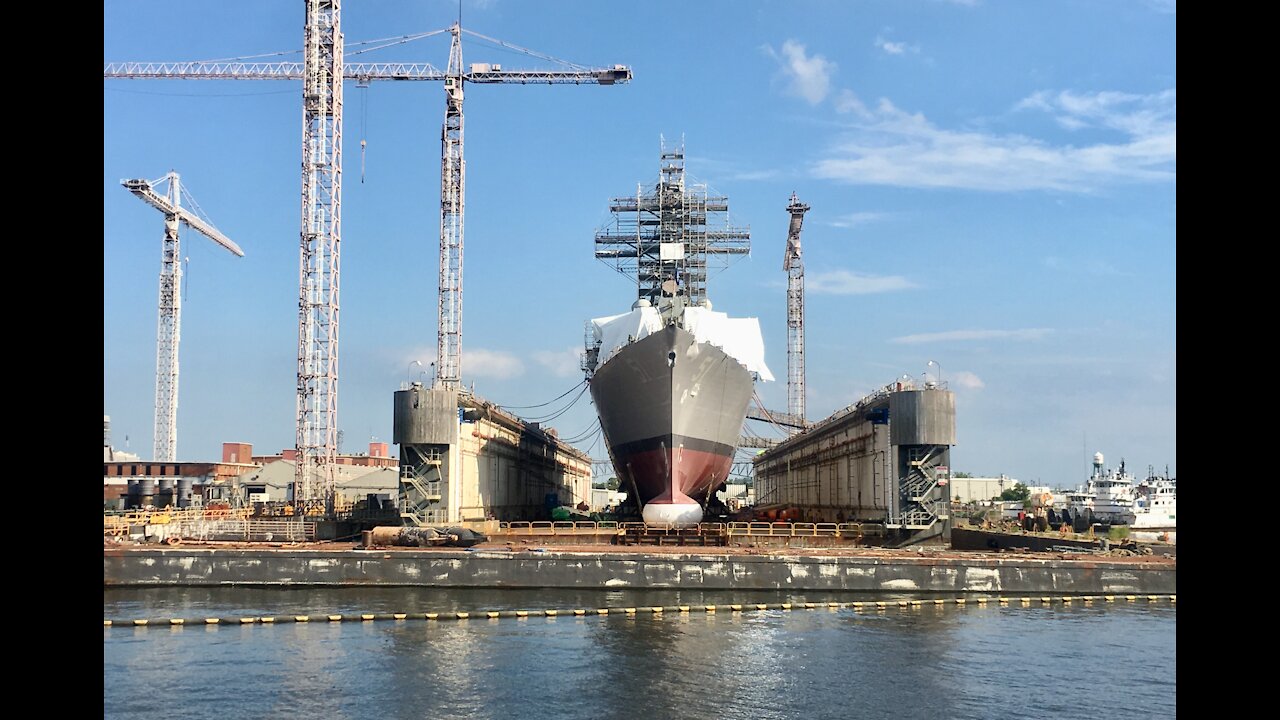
(979,574)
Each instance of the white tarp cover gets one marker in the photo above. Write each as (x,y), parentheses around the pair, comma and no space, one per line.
(616,331)
(739,338)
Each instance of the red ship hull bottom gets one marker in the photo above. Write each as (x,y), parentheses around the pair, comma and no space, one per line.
(673,484)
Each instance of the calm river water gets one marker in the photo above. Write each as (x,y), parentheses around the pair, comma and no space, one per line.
(1105,660)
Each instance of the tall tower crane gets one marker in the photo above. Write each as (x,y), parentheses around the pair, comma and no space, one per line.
(322,71)
(793,263)
(169,326)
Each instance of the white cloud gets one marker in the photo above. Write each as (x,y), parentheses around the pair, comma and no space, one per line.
(561,363)
(808,77)
(963,335)
(895,48)
(856,219)
(889,146)
(848,102)
(1134,115)
(844,282)
(967,380)
(496,364)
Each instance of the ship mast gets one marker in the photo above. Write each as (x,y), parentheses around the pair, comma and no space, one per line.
(667,238)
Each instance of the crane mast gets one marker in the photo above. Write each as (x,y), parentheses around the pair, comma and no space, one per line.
(793,263)
(453,176)
(320,255)
(169,322)
(322,72)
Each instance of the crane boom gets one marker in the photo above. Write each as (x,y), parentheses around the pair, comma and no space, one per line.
(361,72)
(143,190)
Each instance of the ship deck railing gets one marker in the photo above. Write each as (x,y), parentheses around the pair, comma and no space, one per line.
(558,527)
(794,529)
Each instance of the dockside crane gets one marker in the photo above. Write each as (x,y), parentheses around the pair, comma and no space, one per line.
(322,71)
(793,264)
(165,195)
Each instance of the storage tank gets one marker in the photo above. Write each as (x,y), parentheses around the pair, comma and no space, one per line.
(133,496)
(165,497)
(147,493)
(184,492)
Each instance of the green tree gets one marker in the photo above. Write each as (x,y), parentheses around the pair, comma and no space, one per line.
(962,475)
(1017,492)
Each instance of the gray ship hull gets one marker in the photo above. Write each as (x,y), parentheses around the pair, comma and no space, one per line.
(672,411)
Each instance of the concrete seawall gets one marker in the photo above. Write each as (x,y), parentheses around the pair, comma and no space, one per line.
(685,570)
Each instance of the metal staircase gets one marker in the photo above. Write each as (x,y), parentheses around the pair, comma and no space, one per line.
(918,508)
(420,487)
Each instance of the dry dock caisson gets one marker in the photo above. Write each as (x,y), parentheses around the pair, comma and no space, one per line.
(873,570)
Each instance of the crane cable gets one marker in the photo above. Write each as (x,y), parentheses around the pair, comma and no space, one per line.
(527,407)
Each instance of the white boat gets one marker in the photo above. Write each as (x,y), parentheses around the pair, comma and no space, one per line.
(1155,503)
(1107,497)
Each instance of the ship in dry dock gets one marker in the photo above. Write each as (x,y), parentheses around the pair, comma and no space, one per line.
(672,378)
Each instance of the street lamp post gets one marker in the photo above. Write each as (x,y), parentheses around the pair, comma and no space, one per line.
(408,373)
(934,363)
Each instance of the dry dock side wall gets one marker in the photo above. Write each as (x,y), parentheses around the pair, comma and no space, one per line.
(977,574)
(465,460)
(885,460)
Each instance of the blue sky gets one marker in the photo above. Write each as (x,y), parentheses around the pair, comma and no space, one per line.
(993,188)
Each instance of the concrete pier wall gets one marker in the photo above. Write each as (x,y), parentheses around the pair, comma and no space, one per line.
(692,570)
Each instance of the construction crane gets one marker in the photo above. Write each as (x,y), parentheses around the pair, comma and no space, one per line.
(793,263)
(169,327)
(322,71)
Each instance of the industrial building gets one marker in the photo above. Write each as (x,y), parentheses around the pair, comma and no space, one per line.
(273,482)
(885,459)
(463,459)
(979,489)
(131,482)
